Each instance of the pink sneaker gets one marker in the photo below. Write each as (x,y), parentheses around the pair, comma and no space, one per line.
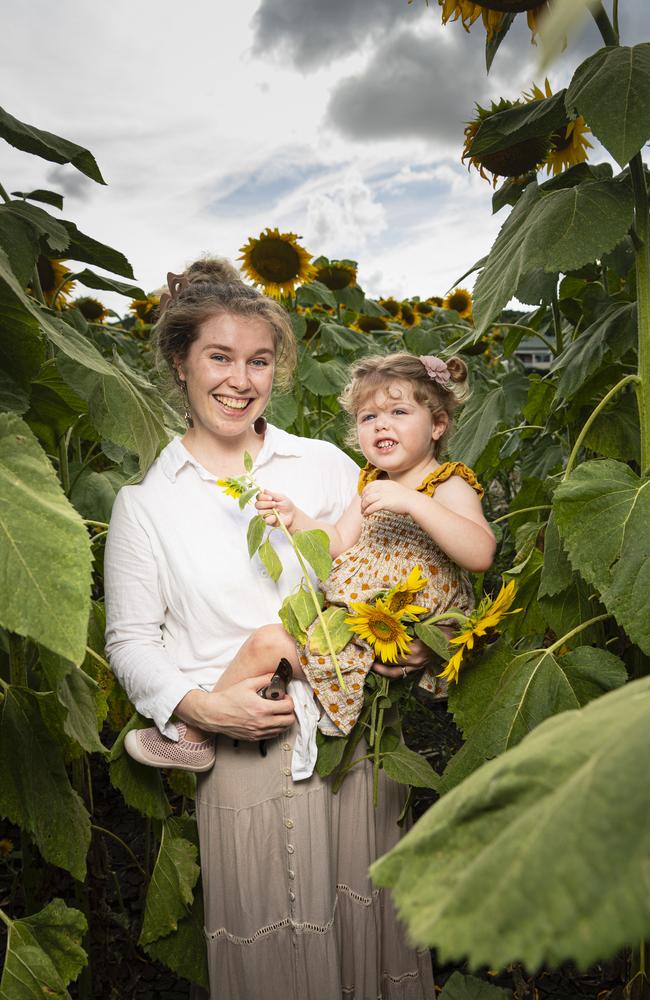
(150,747)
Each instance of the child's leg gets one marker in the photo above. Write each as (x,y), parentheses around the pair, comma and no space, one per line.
(258,656)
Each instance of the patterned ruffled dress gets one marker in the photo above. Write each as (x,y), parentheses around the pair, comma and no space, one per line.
(389,547)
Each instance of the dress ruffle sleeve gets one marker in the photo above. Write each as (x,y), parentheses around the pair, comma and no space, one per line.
(428,486)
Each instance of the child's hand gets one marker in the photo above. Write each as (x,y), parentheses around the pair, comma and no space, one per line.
(386,495)
(266,503)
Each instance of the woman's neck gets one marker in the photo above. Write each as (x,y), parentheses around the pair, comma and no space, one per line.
(222,456)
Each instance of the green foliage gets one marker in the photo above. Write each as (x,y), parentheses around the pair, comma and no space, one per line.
(459,987)
(140,786)
(560,819)
(43,954)
(171,889)
(314,546)
(340,633)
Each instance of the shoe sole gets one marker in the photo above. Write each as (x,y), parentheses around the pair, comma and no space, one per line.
(132,747)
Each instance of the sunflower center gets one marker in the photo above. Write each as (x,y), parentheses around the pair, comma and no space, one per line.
(275,260)
(335,278)
(400,601)
(561,139)
(384,629)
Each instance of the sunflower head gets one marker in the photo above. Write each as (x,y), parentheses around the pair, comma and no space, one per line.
(90,308)
(491,12)
(392,307)
(52,276)
(480,624)
(436,301)
(569,145)
(6,847)
(400,600)
(383,629)
(146,309)
(513,161)
(409,315)
(232,487)
(461,301)
(277,262)
(424,308)
(369,324)
(336,274)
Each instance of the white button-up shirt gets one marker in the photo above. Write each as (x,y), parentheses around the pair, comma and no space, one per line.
(182,593)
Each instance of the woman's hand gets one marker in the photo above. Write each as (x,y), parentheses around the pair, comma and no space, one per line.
(417,659)
(267,502)
(238,711)
(386,495)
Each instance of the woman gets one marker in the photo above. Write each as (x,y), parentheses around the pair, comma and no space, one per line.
(289,908)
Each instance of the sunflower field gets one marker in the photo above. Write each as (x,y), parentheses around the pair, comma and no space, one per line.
(537,850)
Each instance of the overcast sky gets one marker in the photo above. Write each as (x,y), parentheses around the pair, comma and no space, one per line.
(340,120)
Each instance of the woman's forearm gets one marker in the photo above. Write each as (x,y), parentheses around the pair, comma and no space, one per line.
(467,543)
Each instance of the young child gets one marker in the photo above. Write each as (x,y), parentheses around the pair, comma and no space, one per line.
(411,511)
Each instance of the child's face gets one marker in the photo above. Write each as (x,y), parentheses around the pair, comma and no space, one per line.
(396,433)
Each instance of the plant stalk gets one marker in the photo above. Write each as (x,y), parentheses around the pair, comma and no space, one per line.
(642,259)
(574,631)
(605,26)
(557,323)
(603,403)
(3,194)
(522,510)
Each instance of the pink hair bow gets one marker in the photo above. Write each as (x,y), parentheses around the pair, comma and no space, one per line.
(436,369)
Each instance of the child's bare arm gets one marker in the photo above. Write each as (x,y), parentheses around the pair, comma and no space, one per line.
(342,535)
(453,518)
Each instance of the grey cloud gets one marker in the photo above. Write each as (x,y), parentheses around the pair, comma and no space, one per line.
(69,182)
(313,33)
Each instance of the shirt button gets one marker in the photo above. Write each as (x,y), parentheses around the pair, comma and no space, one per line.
(288,794)
(290,848)
(291,874)
(286,746)
(292,897)
(287,771)
(289,824)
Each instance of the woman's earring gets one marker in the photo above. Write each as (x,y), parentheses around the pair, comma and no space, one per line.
(187,413)
(259,426)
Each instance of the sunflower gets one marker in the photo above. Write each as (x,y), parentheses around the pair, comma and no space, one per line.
(424,308)
(145,309)
(232,487)
(491,12)
(461,301)
(483,620)
(369,324)
(399,600)
(513,161)
(381,628)
(436,301)
(6,847)
(277,262)
(336,274)
(409,315)
(569,144)
(392,307)
(91,309)
(52,276)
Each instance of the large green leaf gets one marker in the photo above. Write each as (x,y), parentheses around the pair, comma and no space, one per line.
(48,146)
(615,433)
(35,792)
(502,697)
(611,335)
(314,546)
(21,346)
(459,987)
(21,243)
(99,281)
(323,378)
(12,396)
(554,228)
(611,90)
(485,413)
(51,231)
(45,564)
(90,251)
(171,889)
(409,768)
(43,954)
(520,123)
(47,197)
(141,786)
(339,631)
(542,855)
(76,692)
(603,512)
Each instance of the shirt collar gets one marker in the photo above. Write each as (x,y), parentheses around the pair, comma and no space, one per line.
(175,456)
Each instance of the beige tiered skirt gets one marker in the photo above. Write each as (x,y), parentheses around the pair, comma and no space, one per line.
(290,912)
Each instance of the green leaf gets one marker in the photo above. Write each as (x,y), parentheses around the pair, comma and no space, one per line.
(255,534)
(21,347)
(610,336)
(90,251)
(553,228)
(76,692)
(335,338)
(270,559)
(48,146)
(340,632)
(611,90)
(51,231)
(44,953)
(505,697)
(315,293)
(484,414)
(520,123)
(561,820)
(603,513)
(298,613)
(93,493)
(141,786)
(323,378)
(170,892)
(556,572)
(21,243)
(432,637)
(35,792)
(92,280)
(330,753)
(47,197)
(44,548)
(247,496)
(314,546)
(615,433)
(248,462)
(409,768)
(459,987)
(282,411)
(493,42)
(12,396)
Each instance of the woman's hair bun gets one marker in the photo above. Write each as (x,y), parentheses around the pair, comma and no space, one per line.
(457,369)
(216,270)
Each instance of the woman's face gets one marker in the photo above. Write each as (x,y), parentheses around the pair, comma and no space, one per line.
(228,372)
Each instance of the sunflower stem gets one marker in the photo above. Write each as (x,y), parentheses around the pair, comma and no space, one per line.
(557,323)
(615,19)
(3,194)
(604,25)
(522,510)
(642,259)
(574,631)
(316,602)
(603,403)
